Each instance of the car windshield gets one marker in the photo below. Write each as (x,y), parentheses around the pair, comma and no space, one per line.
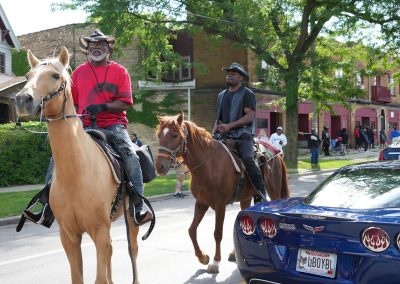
(359,189)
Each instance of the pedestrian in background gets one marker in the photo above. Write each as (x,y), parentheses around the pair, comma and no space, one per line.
(314,143)
(357,137)
(326,141)
(364,138)
(370,135)
(382,139)
(180,178)
(395,133)
(135,139)
(278,139)
(344,140)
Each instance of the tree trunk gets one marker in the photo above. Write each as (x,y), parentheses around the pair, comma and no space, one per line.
(292,129)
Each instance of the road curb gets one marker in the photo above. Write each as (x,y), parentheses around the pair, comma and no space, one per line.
(15,219)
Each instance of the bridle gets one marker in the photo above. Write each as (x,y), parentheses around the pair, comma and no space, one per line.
(52,95)
(172,154)
(47,98)
(181,151)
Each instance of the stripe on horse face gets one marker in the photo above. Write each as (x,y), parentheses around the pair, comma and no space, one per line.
(165,131)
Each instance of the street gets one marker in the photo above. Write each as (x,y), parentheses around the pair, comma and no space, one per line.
(35,255)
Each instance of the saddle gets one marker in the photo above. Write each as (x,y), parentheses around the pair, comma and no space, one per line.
(103,139)
(263,152)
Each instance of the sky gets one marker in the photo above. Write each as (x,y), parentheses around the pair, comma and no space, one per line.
(28,16)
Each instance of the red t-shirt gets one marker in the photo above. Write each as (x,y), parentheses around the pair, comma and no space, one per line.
(111,85)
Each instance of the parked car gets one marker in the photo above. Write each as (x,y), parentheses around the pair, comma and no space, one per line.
(392,152)
(345,231)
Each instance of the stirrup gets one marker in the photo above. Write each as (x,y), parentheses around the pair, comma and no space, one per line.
(45,217)
(138,218)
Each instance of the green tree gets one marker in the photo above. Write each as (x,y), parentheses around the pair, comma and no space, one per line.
(280,32)
(20,64)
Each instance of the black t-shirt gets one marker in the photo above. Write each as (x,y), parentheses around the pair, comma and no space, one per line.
(249,101)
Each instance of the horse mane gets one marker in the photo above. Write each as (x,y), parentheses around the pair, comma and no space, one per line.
(196,135)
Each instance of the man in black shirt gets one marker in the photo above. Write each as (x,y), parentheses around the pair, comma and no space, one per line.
(236,112)
(313,142)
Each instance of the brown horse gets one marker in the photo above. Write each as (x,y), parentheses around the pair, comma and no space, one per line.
(214,176)
(83,186)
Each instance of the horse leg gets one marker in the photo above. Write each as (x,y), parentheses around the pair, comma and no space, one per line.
(243,205)
(102,240)
(199,212)
(72,245)
(218,232)
(133,232)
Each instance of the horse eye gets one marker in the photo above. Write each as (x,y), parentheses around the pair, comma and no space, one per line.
(56,76)
(174,135)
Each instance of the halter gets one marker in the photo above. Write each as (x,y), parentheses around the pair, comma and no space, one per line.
(173,153)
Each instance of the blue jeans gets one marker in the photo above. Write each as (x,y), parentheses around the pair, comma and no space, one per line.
(314,155)
(123,145)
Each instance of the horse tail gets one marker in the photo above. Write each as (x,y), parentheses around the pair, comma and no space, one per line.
(285,192)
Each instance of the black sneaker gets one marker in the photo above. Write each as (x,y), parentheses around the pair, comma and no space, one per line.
(178,195)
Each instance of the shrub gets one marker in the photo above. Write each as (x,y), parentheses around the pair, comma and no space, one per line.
(24,156)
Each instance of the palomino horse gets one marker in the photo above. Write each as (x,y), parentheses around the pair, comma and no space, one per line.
(214,176)
(83,186)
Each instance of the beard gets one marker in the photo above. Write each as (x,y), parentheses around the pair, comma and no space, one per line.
(98,54)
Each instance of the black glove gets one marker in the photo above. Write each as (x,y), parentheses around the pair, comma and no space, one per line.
(95,109)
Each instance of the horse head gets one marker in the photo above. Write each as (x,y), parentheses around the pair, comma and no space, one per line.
(47,86)
(172,134)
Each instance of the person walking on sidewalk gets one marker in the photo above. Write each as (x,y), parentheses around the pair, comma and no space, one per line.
(326,141)
(357,137)
(344,140)
(314,143)
(382,139)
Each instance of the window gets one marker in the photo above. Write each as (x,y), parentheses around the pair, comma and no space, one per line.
(262,123)
(2,63)
(391,85)
(183,72)
(360,81)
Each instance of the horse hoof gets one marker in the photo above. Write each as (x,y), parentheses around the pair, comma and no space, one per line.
(213,268)
(204,259)
(232,257)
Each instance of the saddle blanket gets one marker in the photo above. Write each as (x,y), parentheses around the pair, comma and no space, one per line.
(268,149)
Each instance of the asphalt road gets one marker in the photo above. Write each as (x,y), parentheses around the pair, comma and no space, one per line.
(35,255)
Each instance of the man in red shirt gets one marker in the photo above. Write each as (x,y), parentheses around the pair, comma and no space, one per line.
(102,88)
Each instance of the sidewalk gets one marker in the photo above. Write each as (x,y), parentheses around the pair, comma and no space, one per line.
(370,155)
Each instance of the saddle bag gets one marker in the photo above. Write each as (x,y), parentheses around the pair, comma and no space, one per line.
(146,163)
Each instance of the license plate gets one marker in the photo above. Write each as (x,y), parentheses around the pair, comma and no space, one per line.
(316,262)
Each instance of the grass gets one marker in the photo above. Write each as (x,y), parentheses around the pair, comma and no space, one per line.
(12,203)
(324,164)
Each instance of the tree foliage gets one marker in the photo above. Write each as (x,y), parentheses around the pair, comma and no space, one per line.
(283,33)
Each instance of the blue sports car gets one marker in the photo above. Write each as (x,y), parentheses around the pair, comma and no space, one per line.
(346,231)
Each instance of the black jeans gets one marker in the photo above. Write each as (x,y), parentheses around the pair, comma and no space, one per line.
(246,153)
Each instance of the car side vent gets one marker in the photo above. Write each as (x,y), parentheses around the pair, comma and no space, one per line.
(317,217)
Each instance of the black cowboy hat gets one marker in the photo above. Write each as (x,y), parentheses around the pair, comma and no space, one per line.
(236,67)
(96,36)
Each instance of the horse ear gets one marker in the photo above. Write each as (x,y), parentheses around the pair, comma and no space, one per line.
(64,56)
(32,59)
(180,118)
